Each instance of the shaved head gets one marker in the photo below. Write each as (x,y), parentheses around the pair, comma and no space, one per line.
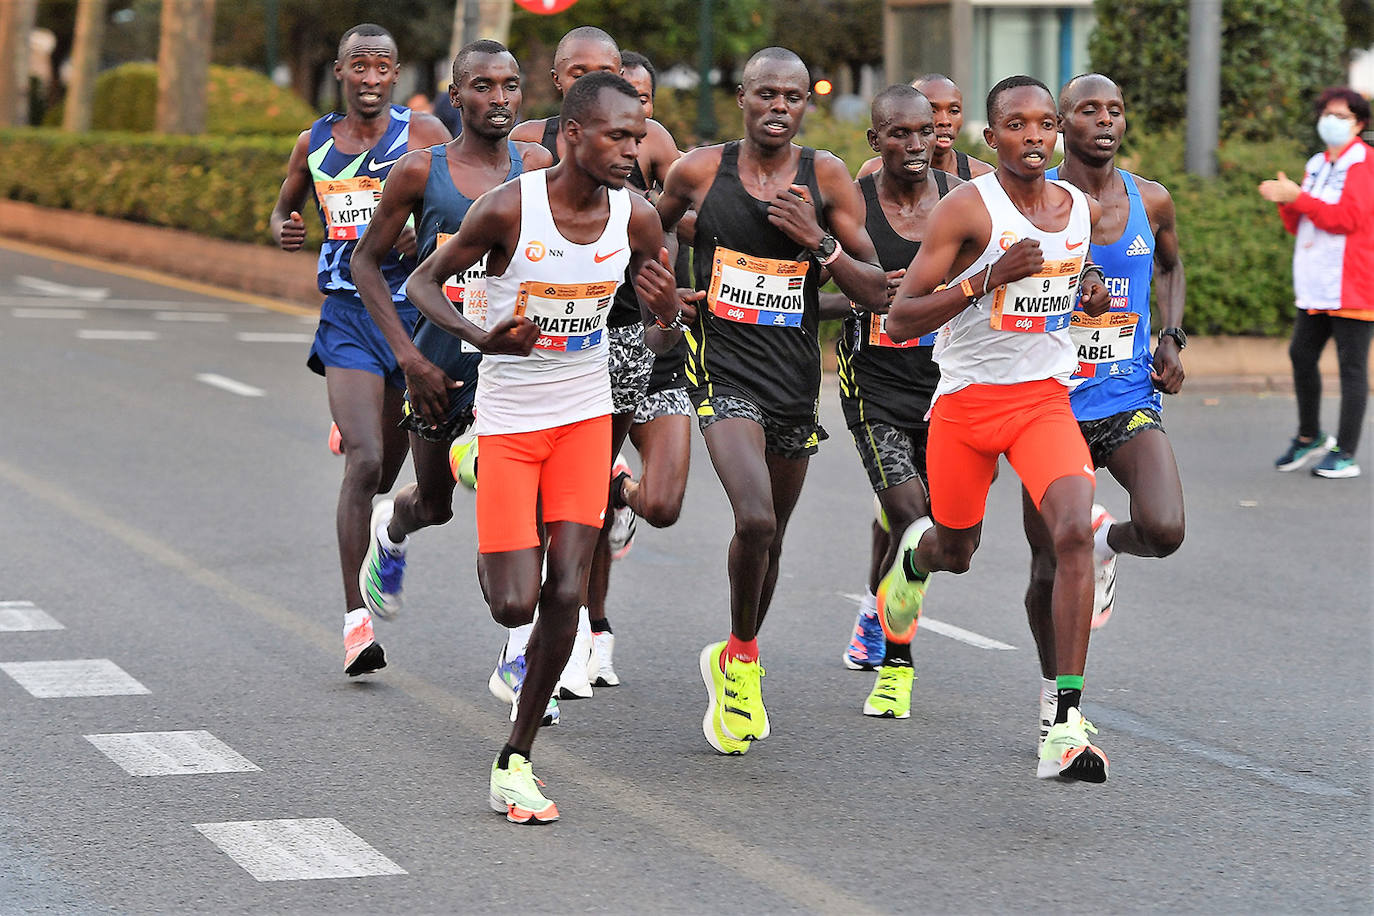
(893,99)
(1085,82)
(771,57)
(584,33)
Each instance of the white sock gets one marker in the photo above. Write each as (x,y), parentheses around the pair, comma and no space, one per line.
(391,546)
(355,618)
(518,639)
(1102,552)
(584,621)
(1049,690)
(870,604)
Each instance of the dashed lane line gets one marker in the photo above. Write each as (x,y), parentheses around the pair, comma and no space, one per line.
(948,629)
(107,334)
(73,677)
(300,849)
(182,753)
(25,617)
(233,386)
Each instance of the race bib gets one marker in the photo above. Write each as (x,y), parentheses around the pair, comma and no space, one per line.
(753,290)
(877,334)
(468,293)
(1104,344)
(571,316)
(348,204)
(1040,303)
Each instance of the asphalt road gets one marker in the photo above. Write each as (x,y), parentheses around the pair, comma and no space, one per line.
(181,535)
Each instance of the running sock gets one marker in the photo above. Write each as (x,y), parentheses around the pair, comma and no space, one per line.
(394,548)
(1070,693)
(1102,551)
(618,490)
(740,650)
(870,603)
(898,655)
(909,567)
(503,760)
(602,626)
(518,639)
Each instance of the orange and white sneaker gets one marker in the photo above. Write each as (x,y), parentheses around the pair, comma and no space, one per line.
(335,439)
(515,792)
(1068,754)
(362,653)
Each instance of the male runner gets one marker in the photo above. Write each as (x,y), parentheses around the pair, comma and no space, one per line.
(662,434)
(437,186)
(885,387)
(584,50)
(770,214)
(1117,398)
(947,102)
(344,161)
(1003,263)
(557,242)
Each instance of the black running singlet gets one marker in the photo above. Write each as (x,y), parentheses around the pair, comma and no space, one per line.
(625,308)
(755,336)
(960,168)
(879,380)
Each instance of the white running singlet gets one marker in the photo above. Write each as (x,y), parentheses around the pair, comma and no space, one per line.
(567,290)
(1018,332)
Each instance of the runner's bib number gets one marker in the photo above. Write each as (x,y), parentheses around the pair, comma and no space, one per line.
(877,334)
(348,204)
(1040,303)
(752,290)
(469,292)
(1104,344)
(571,316)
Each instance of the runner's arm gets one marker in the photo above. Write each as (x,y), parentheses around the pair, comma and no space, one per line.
(1169,286)
(651,265)
(835,307)
(681,187)
(425,131)
(288,229)
(533,156)
(856,269)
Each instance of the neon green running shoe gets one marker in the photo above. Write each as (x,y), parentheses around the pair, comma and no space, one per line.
(900,597)
(462,461)
(1068,754)
(515,792)
(891,696)
(729,702)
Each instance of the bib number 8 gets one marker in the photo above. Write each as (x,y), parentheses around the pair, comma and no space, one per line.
(570,307)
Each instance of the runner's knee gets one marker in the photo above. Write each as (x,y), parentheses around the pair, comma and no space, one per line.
(511,610)
(1161,536)
(756,524)
(659,510)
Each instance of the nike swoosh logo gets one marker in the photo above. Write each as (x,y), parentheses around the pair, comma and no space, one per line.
(375,165)
(1072,247)
(598,258)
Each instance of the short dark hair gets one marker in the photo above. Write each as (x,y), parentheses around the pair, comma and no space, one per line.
(366,30)
(933,78)
(1011,82)
(1358,104)
(785,55)
(630,60)
(585,33)
(581,100)
(892,95)
(480,46)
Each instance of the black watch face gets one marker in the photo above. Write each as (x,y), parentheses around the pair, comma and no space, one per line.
(827,246)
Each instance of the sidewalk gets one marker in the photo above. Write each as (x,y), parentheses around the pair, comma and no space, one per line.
(1214,363)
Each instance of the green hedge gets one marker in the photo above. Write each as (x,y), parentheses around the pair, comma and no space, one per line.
(216,186)
(1237,256)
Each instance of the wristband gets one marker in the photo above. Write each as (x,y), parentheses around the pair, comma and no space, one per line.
(675,325)
(834,255)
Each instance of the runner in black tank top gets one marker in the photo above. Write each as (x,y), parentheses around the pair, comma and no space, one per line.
(769,215)
(885,387)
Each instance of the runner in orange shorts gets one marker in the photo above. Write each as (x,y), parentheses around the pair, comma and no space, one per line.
(999,274)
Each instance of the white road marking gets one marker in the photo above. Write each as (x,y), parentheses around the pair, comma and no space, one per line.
(94,334)
(298,850)
(231,385)
(24,616)
(50,288)
(76,677)
(130,305)
(273,337)
(171,753)
(948,629)
(191,316)
(55,314)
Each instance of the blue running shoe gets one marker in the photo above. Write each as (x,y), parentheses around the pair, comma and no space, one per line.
(867,646)
(383,568)
(505,683)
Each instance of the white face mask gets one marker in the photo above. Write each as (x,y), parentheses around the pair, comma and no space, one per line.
(1334,130)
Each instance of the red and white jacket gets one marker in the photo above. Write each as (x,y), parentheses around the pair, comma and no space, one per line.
(1333,218)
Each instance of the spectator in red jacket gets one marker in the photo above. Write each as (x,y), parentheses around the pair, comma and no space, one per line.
(1332,214)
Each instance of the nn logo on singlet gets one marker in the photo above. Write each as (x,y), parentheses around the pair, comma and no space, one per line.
(1137,247)
(536,250)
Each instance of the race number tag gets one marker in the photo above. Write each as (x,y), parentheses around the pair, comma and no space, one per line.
(468,293)
(571,316)
(753,290)
(1104,344)
(348,204)
(877,334)
(1040,303)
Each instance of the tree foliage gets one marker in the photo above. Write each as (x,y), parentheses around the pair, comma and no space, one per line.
(1275,56)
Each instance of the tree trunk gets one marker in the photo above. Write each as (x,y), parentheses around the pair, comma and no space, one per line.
(493,22)
(183,65)
(16,22)
(90,33)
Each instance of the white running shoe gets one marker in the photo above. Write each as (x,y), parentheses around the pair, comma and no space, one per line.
(1049,705)
(603,646)
(623,518)
(1104,581)
(575,681)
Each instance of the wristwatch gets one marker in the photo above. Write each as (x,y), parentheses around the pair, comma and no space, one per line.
(1177,334)
(826,251)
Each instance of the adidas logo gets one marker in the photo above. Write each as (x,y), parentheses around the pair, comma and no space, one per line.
(1138,246)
